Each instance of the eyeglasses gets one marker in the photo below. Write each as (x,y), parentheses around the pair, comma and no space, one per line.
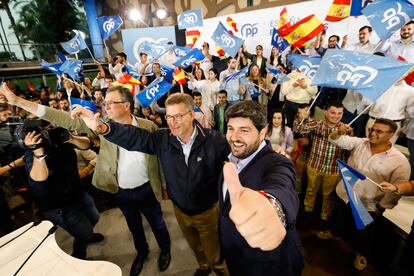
(177,117)
(378,131)
(106,103)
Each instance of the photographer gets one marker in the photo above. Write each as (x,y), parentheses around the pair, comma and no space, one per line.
(55,184)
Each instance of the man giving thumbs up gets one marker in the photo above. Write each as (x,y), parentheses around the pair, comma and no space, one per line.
(258,202)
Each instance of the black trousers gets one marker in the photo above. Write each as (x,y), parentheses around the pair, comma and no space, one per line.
(141,200)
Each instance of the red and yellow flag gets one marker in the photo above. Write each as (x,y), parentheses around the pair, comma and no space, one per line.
(232,24)
(284,21)
(303,31)
(179,76)
(191,37)
(340,9)
(409,77)
(127,81)
(219,50)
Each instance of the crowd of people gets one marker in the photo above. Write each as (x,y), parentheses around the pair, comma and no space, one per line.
(175,149)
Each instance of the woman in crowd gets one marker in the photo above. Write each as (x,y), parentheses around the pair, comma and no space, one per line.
(255,82)
(280,135)
(208,88)
(274,58)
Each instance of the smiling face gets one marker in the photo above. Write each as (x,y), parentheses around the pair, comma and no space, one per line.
(334,115)
(380,134)
(180,120)
(243,137)
(407,31)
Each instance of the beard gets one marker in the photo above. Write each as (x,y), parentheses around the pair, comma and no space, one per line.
(248,149)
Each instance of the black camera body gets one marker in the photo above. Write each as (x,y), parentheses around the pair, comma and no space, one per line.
(52,136)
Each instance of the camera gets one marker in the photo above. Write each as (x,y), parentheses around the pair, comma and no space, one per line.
(52,136)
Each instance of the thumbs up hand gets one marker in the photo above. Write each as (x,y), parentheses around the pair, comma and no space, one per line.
(252,213)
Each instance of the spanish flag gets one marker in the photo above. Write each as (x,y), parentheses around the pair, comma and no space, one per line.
(191,37)
(284,21)
(179,76)
(340,9)
(409,77)
(219,50)
(127,81)
(232,24)
(303,31)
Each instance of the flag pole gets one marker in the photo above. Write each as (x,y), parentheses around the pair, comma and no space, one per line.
(300,51)
(106,47)
(360,114)
(312,104)
(89,50)
(373,182)
(258,86)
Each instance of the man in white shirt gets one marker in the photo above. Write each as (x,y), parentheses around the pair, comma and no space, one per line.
(232,87)
(403,47)
(120,61)
(202,112)
(143,67)
(355,104)
(363,46)
(392,105)
(379,160)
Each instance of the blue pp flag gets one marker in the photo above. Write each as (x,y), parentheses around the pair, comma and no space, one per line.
(254,93)
(181,51)
(387,16)
(367,74)
(74,102)
(153,92)
(350,176)
(52,67)
(61,56)
(153,49)
(167,72)
(189,59)
(108,25)
(72,68)
(76,44)
(132,72)
(281,77)
(308,65)
(241,73)
(190,19)
(230,43)
(278,41)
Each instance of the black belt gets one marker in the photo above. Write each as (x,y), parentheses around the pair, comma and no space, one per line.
(136,188)
(397,121)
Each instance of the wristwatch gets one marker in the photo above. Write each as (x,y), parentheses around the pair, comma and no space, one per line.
(276,204)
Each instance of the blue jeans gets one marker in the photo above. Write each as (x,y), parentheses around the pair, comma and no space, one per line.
(141,200)
(78,219)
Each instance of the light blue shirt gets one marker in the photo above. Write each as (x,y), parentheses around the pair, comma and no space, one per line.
(187,147)
(242,163)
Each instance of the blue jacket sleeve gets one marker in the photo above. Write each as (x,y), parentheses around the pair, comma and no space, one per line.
(132,138)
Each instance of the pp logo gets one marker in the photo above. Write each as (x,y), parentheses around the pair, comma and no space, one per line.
(393,17)
(355,75)
(179,52)
(75,44)
(309,69)
(190,18)
(152,91)
(137,44)
(159,49)
(249,30)
(227,41)
(188,61)
(109,25)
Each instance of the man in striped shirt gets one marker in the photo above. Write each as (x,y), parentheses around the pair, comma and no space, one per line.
(322,168)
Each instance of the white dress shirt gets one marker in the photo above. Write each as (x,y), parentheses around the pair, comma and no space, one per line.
(394,103)
(390,166)
(132,168)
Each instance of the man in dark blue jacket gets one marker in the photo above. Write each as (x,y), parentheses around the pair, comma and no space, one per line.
(258,202)
(192,158)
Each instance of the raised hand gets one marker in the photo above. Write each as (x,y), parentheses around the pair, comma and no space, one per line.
(252,213)
(6,95)
(90,119)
